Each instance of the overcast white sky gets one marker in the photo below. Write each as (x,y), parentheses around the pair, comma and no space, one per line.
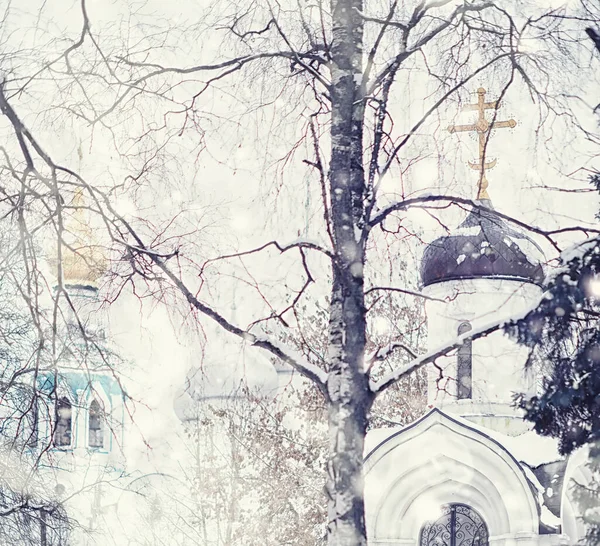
(227,186)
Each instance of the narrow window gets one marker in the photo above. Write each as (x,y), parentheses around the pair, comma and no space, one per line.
(464,364)
(96,425)
(62,433)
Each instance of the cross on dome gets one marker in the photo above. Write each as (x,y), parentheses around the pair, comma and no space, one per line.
(483,128)
(483,245)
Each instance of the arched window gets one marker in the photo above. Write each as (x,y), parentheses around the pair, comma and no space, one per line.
(459,525)
(95,425)
(63,430)
(464,361)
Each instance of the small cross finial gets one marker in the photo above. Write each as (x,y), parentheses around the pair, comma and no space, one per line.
(482,127)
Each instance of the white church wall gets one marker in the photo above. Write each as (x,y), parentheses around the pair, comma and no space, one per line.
(575,473)
(497,361)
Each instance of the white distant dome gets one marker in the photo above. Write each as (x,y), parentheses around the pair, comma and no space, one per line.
(229,370)
(184,406)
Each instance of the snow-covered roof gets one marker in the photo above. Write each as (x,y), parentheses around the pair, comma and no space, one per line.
(440,459)
(529,451)
(529,448)
(379,435)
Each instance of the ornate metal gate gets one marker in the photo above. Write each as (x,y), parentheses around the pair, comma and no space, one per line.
(459,525)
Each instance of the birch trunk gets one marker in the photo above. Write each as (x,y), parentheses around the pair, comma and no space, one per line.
(347,387)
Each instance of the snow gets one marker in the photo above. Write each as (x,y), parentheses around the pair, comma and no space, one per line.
(358,232)
(377,436)
(529,448)
(302,241)
(356,270)
(592,287)
(578,250)
(471,231)
(593,514)
(548,518)
(350,250)
(535,482)
(530,249)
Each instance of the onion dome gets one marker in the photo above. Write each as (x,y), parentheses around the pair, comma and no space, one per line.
(483,246)
(230,371)
(83,259)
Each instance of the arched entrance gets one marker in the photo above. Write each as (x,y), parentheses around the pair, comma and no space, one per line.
(458,525)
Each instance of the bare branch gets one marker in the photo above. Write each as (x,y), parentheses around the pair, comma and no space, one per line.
(453,200)
(435,107)
(229,66)
(430,356)
(383,352)
(312,372)
(402,291)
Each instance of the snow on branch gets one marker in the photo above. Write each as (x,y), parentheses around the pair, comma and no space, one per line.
(384,352)
(431,356)
(578,250)
(402,291)
(294,358)
(297,361)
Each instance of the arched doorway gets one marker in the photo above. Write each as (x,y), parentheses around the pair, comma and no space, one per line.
(458,525)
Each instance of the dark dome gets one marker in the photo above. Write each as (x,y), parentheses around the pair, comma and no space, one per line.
(483,246)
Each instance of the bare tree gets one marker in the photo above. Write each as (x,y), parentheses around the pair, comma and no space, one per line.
(30,512)
(351,62)
(254,463)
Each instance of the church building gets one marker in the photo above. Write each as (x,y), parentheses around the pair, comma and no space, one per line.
(470,472)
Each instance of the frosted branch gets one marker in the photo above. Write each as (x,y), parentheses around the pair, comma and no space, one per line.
(431,356)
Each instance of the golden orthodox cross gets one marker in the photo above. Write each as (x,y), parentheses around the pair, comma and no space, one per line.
(483,127)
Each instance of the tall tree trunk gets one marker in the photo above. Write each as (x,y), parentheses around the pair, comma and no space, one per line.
(349,397)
